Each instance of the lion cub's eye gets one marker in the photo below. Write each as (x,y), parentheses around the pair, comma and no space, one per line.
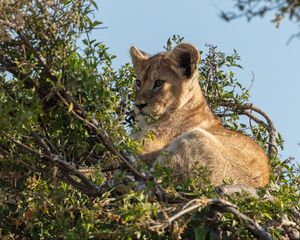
(138,83)
(158,83)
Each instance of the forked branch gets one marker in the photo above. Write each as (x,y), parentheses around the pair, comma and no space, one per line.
(84,184)
(221,206)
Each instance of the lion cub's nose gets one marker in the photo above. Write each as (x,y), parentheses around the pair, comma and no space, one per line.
(141,106)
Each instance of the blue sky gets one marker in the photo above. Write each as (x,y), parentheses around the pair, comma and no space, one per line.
(262,47)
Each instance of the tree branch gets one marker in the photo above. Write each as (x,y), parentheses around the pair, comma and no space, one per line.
(253,227)
(84,185)
(221,206)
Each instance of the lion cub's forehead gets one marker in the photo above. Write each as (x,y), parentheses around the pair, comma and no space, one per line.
(154,66)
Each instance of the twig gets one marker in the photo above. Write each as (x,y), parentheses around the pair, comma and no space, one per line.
(6,22)
(169,220)
(102,137)
(88,187)
(196,205)
(66,166)
(42,144)
(10,66)
(87,156)
(46,137)
(295,215)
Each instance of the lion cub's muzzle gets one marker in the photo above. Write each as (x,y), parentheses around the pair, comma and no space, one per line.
(141,106)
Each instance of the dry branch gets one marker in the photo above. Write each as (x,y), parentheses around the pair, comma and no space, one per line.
(256,230)
(68,171)
(221,206)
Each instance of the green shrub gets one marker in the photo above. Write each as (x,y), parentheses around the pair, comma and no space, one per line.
(66,161)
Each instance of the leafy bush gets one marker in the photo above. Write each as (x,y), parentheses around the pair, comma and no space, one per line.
(70,171)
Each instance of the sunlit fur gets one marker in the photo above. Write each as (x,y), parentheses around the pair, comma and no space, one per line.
(185,127)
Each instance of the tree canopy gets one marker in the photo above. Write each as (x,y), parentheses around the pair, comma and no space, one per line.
(68,167)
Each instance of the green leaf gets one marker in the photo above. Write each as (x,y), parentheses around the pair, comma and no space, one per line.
(200,233)
(71,106)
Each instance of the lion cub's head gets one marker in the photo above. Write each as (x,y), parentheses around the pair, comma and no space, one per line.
(164,81)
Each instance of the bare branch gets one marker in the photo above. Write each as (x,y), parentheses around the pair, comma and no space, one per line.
(253,227)
(221,206)
(197,203)
(41,142)
(46,137)
(295,214)
(84,185)
(7,23)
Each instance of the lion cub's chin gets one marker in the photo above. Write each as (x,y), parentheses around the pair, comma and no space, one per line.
(144,120)
(151,112)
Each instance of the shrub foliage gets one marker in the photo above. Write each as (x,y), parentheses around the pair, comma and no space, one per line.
(69,169)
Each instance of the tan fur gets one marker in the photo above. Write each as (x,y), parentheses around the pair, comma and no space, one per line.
(186,129)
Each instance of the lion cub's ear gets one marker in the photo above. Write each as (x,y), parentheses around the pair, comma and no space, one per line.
(137,58)
(186,56)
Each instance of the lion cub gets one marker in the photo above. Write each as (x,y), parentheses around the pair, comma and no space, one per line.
(186,133)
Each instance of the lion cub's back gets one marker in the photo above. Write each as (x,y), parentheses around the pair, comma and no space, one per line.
(243,152)
(229,155)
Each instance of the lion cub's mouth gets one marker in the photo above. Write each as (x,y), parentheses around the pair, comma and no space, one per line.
(148,112)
